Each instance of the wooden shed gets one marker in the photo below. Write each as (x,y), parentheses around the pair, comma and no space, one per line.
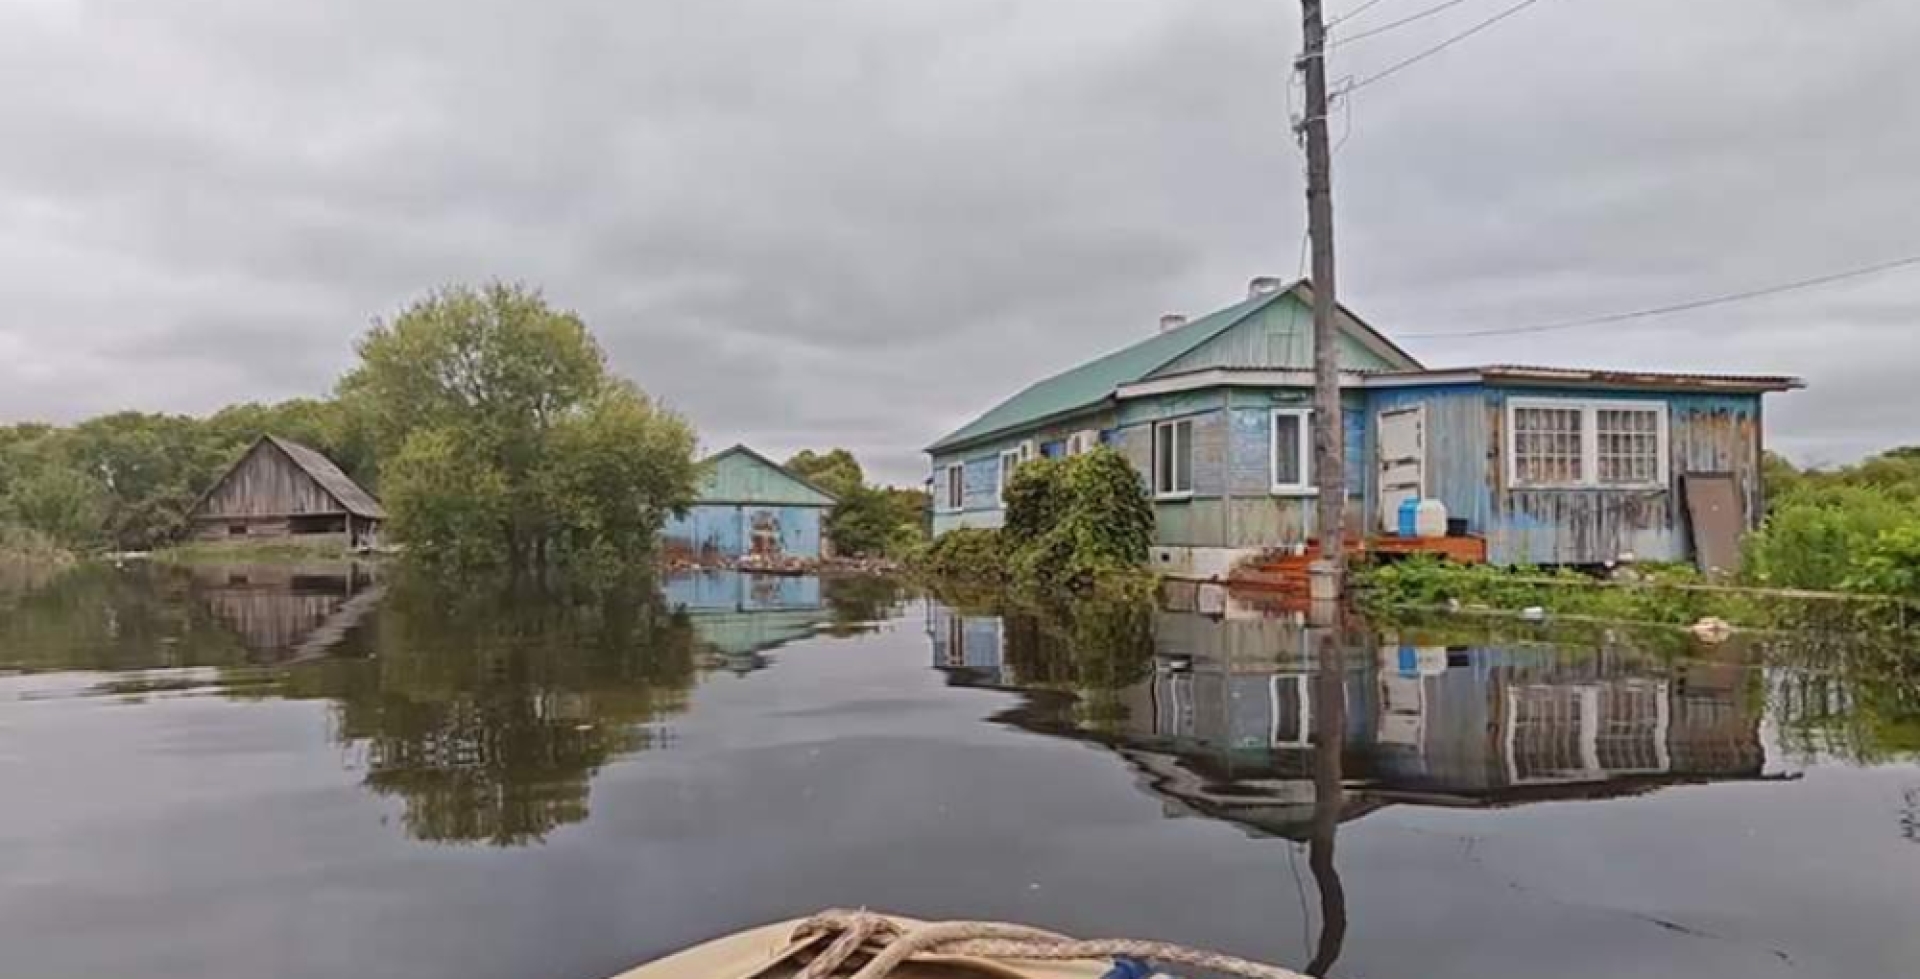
(281,488)
(749,505)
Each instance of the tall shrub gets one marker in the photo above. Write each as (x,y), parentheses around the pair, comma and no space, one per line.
(1080,520)
(1815,536)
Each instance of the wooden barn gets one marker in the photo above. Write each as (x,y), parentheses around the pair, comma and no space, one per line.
(281,488)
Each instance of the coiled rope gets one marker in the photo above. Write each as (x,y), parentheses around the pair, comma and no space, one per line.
(886,945)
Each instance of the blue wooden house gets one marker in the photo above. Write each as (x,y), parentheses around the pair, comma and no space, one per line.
(747,504)
(1546,465)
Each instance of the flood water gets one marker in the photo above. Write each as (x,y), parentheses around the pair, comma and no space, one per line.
(244,772)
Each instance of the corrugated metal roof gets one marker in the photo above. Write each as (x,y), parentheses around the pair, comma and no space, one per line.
(338,484)
(1091,383)
(709,492)
(1610,376)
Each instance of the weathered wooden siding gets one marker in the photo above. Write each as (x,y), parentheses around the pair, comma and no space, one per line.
(1278,336)
(1708,433)
(1466,470)
(1462,464)
(732,530)
(266,484)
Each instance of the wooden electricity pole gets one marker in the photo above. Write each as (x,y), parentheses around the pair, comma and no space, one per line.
(1329,452)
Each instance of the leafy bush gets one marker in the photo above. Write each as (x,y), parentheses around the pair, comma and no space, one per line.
(1077,521)
(1034,498)
(1891,565)
(1070,524)
(1817,535)
(965,554)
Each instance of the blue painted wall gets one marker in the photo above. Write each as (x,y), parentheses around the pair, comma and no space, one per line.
(1233,505)
(1466,468)
(732,530)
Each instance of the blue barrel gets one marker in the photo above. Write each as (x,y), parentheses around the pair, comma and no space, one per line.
(1409,517)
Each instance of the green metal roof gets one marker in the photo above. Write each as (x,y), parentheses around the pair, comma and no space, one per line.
(1091,383)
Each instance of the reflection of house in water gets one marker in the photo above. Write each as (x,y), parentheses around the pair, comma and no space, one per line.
(739,616)
(1225,725)
(287,614)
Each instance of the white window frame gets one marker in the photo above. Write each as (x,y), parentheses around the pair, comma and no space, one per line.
(956,484)
(1010,461)
(1077,443)
(1173,492)
(1305,486)
(1590,409)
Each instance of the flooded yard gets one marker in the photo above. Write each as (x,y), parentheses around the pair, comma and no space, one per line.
(250,771)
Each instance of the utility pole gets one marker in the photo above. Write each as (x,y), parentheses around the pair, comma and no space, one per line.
(1329,452)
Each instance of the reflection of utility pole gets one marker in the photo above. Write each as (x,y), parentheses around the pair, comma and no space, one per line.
(1329,450)
(1329,793)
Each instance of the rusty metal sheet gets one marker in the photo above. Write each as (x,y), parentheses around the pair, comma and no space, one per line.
(1717,518)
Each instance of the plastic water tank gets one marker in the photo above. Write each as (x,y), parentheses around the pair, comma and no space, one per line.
(1430,519)
(1407,523)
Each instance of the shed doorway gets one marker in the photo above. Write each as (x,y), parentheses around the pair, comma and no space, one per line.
(1401,473)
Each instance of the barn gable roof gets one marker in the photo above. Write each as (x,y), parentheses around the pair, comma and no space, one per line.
(322,470)
(338,484)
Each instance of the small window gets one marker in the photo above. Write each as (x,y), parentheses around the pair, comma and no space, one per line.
(1173,458)
(1292,450)
(1549,445)
(1575,444)
(956,489)
(1010,461)
(1629,446)
(237,530)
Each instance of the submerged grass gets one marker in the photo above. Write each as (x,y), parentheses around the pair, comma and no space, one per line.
(285,551)
(1669,595)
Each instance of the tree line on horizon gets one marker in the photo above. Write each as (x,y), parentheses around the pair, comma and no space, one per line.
(487,421)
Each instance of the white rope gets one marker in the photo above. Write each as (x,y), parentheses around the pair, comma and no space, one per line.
(887,945)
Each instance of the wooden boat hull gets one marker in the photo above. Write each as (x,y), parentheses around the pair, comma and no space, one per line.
(763,953)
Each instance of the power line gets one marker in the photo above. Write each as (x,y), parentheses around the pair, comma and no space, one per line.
(1351,14)
(1402,22)
(1687,306)
(1442,46)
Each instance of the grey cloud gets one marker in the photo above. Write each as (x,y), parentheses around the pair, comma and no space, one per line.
(858,222)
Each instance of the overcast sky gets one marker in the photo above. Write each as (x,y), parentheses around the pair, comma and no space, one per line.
(860,222)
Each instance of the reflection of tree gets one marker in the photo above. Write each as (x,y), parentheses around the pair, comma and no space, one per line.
(857,602)
(1856,695)
(1096,648)
(489,714)
(98,617)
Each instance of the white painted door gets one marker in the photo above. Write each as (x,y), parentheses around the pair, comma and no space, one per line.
(1402,470)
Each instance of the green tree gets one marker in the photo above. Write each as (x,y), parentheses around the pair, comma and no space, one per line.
(836,471)
(866,521)
(60,502)
(613,474)
(507,441)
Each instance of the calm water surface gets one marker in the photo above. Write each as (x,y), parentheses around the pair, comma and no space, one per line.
(243,772)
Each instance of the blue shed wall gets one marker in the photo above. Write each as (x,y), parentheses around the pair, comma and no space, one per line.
(729,530)
(1466,468)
